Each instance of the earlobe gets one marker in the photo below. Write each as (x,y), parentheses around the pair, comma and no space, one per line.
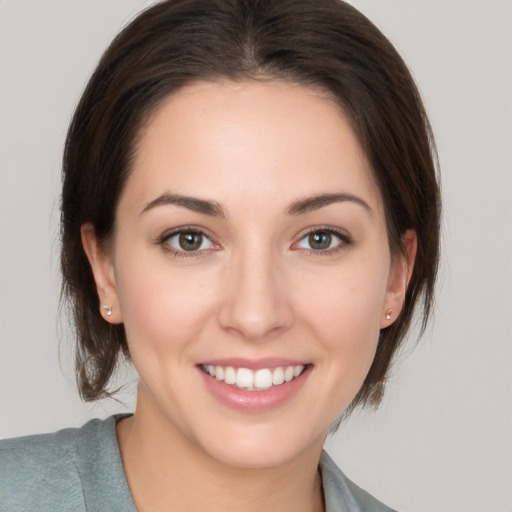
(103,272)
(399,276)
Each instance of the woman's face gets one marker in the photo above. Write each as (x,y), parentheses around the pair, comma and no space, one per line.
(250,238)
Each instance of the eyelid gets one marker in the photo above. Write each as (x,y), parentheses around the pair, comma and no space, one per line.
(163,239)
(344,237)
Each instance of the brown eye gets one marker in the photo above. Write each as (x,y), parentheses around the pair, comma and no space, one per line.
(320,240)
(324,240)
(190,241)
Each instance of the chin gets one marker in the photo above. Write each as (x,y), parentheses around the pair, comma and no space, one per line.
(261,448)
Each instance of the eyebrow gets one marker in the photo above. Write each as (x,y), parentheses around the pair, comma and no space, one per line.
(214,209)
(316,202)
(203,206)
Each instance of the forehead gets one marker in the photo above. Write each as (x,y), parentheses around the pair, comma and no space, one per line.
(247,140)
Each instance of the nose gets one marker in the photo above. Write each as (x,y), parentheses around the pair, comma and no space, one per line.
(255,305)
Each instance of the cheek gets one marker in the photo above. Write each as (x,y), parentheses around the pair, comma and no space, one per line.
(160,308)
(344,309)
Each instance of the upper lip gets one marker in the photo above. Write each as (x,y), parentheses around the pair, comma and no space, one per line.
(254,364)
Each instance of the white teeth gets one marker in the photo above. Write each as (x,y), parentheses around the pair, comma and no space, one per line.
(258,380)
(278,376)
(244,378)
(229,375)
(288,374)
(263,379)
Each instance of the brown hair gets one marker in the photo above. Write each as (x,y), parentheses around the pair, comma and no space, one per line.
(325,44)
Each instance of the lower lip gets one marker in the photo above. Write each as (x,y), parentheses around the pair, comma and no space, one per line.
(255,401)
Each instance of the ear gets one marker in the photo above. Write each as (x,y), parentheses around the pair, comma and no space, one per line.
(104,277)
(400,274)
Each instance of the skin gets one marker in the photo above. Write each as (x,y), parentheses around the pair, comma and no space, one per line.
(256,288)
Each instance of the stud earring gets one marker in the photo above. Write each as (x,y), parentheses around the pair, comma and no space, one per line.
(108,310)
(388,314)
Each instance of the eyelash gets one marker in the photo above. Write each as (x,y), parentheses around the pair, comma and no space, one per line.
(343,236)
(345,241)
(164,242)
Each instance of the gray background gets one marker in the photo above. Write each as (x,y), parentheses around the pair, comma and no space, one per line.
(442,439)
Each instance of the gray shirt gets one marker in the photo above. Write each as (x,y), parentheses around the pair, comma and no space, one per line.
(80,469)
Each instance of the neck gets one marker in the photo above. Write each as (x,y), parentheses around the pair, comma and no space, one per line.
(167,471)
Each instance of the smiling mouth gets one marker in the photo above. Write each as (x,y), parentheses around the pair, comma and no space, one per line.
(258,380)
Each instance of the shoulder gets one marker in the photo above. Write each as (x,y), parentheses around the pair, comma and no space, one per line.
(50,471)
(341,494)
(37,469)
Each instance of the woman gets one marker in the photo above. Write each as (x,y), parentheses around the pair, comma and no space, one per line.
(250,214)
